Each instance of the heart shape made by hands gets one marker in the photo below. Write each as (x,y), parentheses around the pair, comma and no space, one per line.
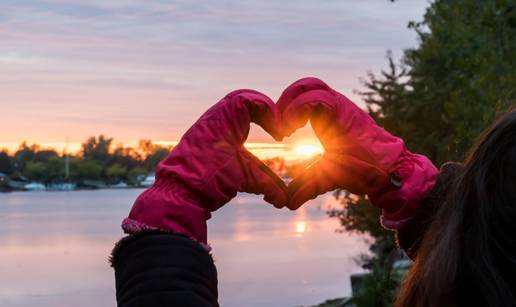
(210,164)
(211,158)
(346,133)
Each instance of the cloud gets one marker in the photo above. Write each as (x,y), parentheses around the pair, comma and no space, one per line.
(178,57)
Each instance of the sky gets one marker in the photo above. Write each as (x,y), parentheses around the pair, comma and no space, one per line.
(148,69)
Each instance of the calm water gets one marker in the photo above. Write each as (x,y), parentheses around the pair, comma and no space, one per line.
(54,248)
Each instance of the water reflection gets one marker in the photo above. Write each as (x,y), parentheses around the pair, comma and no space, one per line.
(54,250)
(300,223)
(242,224)
(300,228)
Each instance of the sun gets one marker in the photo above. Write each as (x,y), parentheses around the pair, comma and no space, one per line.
(308,150)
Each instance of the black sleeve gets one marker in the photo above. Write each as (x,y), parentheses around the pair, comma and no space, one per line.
(155,269)
(409,237)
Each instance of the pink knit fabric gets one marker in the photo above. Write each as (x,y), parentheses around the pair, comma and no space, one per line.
(208,167)
(360,156)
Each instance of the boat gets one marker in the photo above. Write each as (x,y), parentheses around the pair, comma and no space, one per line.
(148,181)
(67,186)
(35,186)
(93,184)
(120,185)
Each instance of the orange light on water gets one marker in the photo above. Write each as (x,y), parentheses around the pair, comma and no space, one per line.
(300,227)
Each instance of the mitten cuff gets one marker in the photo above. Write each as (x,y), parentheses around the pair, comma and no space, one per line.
(412,179)
(170,207)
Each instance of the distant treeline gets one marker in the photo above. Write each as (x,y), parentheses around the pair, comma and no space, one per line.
(99,159)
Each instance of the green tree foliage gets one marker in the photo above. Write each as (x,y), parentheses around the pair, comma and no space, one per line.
(122,163)
(35,170)
(136,175)
(438,98)
(455,83)
(48,171)
(447,90)
(97,161)
(116,172)
(85,169)
(377,288)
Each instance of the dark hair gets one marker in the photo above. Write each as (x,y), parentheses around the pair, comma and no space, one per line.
(468,254)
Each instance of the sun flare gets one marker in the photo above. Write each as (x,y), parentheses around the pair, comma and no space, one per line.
(308,150)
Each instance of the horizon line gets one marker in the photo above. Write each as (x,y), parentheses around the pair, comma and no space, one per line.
(262,150)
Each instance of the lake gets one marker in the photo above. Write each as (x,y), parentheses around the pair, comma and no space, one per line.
(54,249)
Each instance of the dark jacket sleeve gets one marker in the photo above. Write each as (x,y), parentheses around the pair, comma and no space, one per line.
(409,237)
(154,268)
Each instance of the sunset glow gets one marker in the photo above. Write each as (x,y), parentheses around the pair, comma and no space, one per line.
(263,150)
(119,116)
(308,150)
(72,69)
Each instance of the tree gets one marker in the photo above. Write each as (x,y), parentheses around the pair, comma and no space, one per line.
(155,157)
(35,170)
(24,154)
(32,153)
(449,88)
(136,175)
(116,172)
(460,77)
(146,147)
(6,163)
(96,161)
(45,155)
(124,156)
(377,288)
(85,169)
(387,98)
(440,96)
(49,171)
(97,149)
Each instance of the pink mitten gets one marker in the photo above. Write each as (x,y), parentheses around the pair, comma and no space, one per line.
(360,156)
(208,167)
